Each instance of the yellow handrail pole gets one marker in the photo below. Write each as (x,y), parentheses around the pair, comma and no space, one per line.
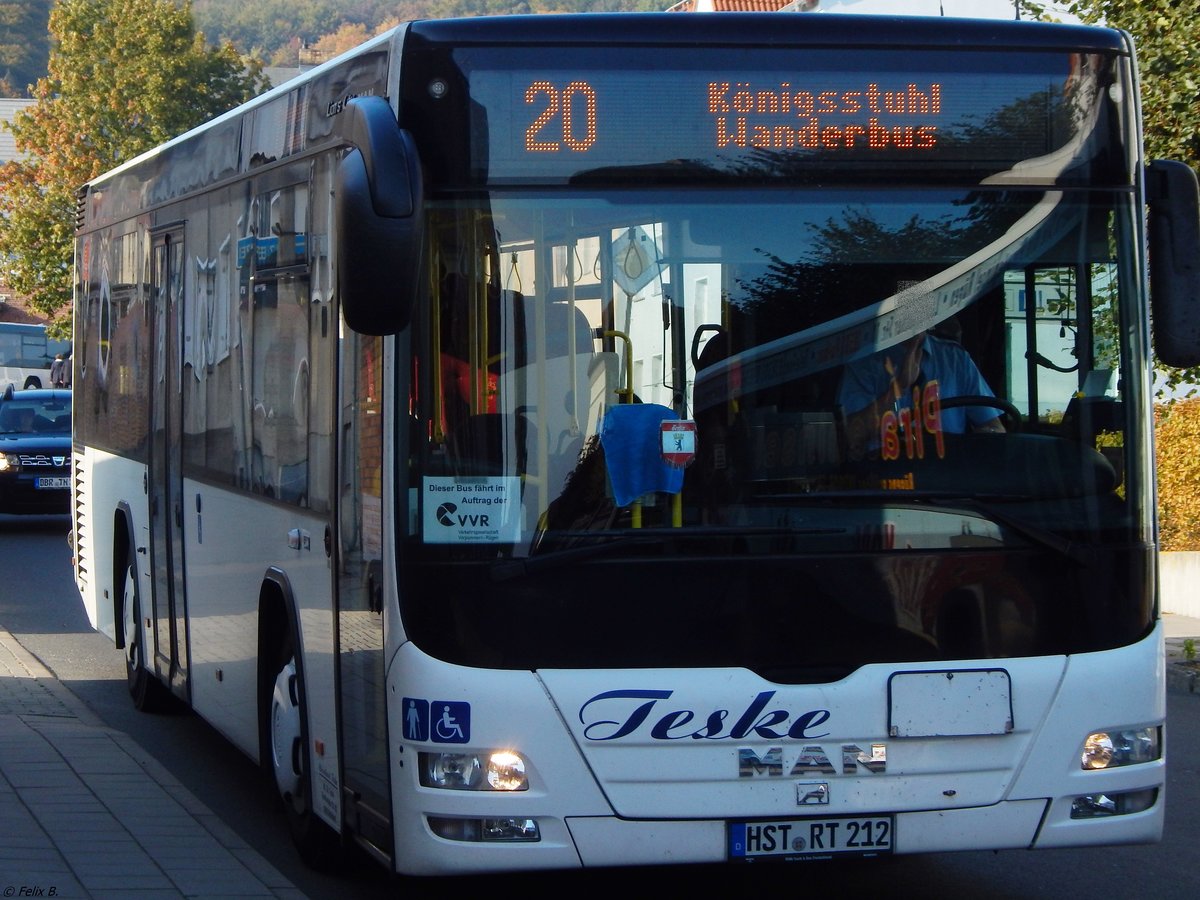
(627,393)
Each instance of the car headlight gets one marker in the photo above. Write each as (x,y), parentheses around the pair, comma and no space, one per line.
(1124,747)
(486,770)
(8,461)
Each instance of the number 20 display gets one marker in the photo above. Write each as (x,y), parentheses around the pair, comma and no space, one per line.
(557,125)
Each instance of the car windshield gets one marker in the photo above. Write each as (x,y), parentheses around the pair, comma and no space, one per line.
(41,416)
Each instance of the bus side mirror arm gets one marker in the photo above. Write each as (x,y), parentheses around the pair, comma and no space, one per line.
(378,212)
(1174,235)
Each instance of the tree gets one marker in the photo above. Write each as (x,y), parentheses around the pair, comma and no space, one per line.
(1166,34)
(346,37)
(124,76)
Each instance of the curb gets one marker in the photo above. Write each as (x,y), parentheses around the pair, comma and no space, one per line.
(47,681)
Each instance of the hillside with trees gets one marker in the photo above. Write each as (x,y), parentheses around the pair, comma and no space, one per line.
(273,30)
(24,45)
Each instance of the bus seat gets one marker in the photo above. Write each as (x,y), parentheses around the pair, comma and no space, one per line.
(563,400)
(559,317)
(490,444)
(1086,417)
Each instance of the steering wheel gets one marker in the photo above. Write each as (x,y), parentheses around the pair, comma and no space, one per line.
(1010,412)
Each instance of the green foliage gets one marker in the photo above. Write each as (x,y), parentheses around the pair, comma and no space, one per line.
(1176,432)
(124,76)
(1166,34)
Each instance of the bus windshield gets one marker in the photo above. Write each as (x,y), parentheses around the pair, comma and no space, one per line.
(654,386)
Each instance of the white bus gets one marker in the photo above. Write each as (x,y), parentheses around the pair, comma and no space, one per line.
(26,355)
(478,431)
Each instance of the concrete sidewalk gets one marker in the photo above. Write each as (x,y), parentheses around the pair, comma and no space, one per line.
(84,812)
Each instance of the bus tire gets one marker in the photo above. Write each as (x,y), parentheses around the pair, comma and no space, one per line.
(290,762)
(147,692)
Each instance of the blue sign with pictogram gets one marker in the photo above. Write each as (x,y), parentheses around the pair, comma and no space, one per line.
(440,721)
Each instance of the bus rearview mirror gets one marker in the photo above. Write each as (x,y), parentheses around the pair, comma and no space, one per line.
(1174,233)
(378,211)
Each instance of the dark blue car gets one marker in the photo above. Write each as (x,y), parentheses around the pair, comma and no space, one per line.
(35,451)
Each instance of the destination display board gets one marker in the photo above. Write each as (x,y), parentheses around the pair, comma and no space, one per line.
(663,115)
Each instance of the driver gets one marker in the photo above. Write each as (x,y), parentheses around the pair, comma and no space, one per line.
(885,381)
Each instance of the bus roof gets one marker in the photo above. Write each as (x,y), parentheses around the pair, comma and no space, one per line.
(806,29)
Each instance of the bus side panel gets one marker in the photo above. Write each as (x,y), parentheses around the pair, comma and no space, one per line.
(232,539)
(104,484)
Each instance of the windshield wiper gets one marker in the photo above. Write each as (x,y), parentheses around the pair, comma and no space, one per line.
(507,570)
(1040,536)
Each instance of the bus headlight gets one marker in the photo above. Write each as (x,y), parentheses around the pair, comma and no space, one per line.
(1108,749)
(506,772)
(488,770)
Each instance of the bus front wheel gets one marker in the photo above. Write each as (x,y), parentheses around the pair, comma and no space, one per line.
(147,692)
(290,763)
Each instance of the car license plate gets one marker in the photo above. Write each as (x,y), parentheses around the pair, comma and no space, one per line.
(57,483)
(816,838)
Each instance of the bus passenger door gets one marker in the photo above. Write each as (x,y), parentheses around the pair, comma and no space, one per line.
(166,478)
(363,697)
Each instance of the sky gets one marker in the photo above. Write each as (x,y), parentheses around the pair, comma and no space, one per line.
(981,9)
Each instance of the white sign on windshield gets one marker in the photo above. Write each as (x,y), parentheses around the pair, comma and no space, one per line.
(471,510)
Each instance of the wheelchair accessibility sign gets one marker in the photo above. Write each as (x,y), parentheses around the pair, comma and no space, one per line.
(439,721)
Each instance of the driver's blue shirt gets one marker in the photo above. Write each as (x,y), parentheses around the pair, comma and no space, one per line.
(944,361)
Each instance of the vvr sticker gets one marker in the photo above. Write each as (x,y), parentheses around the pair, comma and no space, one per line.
(440,721)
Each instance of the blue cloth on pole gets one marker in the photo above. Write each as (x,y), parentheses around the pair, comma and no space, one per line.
(631,436)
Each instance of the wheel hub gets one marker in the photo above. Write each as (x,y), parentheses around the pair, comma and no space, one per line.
(285,734)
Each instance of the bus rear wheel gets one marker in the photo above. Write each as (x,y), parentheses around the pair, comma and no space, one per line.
(290,763)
